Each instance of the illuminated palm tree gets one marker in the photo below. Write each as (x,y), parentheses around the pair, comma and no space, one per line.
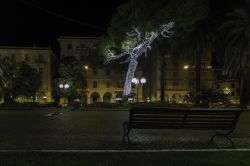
(237,48)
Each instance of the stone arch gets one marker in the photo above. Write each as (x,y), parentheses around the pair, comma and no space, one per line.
(107,97)
(95,97)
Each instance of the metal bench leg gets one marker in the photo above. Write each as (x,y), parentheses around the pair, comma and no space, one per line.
(126,132)
(225,135)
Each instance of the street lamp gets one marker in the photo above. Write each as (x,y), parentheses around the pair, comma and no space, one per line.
(64,87)
(86,67)
(136,81)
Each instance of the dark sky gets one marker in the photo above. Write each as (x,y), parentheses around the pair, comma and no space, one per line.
(28,22)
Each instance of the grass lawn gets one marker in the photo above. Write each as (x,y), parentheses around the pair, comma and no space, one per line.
(127,159)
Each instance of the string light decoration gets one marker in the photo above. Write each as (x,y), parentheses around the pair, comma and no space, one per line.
(134,53)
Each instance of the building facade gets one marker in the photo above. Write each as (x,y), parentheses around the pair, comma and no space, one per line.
(179,77)
(104,84)
(40,58)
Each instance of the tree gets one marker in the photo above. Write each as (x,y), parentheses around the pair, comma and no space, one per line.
(28,81)
(70,72)
(8,75)
(237,48)
(212,96)
(192,37)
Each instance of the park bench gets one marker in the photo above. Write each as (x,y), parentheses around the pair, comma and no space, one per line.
(221,121)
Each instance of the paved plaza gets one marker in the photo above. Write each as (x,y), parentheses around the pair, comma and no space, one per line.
(100,130)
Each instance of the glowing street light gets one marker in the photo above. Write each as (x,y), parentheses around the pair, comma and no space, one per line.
(64,86)
(143,80)
(136,81)
(185,67)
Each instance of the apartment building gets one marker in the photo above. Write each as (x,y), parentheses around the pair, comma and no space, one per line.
(104,84)
(40,58)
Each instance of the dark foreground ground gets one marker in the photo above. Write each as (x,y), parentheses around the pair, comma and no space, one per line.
(127,159)
(99,130)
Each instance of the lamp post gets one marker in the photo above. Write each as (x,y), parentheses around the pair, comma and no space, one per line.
(64,87)
(137,81)
(86,67)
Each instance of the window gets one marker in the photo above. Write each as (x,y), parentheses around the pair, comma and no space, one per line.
(69,46)
(175,64)
(40,71)
(107,84)
(233,85)
(26,57)
(108,72)
(218,86)
(95,71)
(13,57)
(120,84)
(175,83)
(175,74)
(190,84)
(203,65)
(82,45)
(82,58)
(95,84)
(40,58)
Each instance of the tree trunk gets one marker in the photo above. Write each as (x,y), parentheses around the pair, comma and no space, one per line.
(244,88)
(197,77)
(7,97)
(162,79)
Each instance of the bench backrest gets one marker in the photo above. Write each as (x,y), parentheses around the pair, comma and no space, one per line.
(189,118)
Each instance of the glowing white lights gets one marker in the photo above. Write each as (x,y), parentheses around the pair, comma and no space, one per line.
(143,80)
(134,53)
(61,86)
(135,81)
(64,86)
(185,67)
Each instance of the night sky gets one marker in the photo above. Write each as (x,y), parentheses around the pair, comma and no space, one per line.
(33,22)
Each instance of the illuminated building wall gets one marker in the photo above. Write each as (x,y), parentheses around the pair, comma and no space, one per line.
(104,84)
(41,59)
